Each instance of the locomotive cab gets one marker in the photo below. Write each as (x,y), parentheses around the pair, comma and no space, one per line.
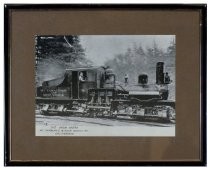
(82,80)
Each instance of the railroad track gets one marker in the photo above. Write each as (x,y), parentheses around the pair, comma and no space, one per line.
(103,121)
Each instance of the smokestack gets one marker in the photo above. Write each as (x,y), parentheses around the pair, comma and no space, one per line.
(160,73)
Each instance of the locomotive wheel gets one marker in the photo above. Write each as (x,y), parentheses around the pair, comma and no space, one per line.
(91,113)
(113,114)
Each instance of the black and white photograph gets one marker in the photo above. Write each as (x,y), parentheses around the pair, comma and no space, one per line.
(105,85)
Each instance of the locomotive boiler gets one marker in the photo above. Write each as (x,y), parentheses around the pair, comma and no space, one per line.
(94,92)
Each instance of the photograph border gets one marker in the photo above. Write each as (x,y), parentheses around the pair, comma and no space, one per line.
(7,83)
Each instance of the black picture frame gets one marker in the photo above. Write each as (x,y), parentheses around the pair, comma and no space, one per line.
(7,57)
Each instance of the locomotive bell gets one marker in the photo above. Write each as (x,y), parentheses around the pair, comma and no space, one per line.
(143,79)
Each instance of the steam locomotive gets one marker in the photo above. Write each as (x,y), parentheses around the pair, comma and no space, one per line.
(94,92)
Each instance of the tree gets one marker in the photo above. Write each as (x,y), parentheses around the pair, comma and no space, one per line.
(171,50)
(136,61)
(155,54)
(132,62)
(65,48)
(56,53)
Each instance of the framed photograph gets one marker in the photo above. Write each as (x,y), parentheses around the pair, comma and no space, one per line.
(105,85)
